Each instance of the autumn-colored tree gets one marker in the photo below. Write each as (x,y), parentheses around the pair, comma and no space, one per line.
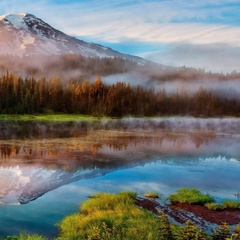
(18,95)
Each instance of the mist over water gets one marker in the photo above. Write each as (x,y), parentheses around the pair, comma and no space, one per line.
(43,162)
(42,130)
(50,161)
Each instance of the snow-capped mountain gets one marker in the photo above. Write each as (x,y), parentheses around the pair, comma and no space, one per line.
(25,34)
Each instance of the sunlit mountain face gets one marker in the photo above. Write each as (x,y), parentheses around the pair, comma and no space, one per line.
(25,34)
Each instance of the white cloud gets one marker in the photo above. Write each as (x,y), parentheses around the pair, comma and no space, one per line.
(198,23)
(161,33)
(216,57)
(146,21)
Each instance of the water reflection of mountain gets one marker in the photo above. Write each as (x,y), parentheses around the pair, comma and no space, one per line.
(29,168)
(23,183)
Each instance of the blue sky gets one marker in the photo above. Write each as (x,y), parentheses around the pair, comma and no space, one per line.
(202,34)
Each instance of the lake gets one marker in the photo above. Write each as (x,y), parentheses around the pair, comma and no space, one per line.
(48,169)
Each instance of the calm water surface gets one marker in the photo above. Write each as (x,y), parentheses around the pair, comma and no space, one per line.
(44,178)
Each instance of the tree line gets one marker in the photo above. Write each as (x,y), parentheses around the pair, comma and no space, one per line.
(76,66)
(67,66)
(32,96)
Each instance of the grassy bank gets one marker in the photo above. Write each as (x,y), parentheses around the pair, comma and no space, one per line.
(110,216)
(50,117)
(190,196)
(115,216)
(106,216)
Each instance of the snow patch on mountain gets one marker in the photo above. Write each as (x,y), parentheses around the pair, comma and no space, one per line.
(17,20)
(25,34)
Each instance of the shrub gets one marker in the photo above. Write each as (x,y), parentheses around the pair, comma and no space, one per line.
(221,232)
(190,196)
(236,234)
(165,231)
(214,206)
(231,204)
(237,229)
(189,231)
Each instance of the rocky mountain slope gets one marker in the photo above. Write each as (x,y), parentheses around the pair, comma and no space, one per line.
(25,34)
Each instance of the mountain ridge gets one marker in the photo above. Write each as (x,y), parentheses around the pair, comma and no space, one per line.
(25,34)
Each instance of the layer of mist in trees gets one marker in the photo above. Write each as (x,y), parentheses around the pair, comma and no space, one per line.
(113,87)
(73,66)
(28,95)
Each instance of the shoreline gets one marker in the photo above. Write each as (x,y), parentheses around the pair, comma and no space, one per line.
(199,215)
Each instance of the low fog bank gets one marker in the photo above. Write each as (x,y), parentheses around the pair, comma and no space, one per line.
(218,125)
(228,89)
(45,130)
(73,64)
(65,67)
(112,70)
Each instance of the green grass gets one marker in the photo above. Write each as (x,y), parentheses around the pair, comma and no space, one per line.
(190,196)
(50,117)
(153,194)
(106,216)
(109,216)
(214,206)
(24,237)
(231,204)
(31,237)
(227,204)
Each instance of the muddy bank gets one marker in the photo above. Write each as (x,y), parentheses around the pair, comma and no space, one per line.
(197,214)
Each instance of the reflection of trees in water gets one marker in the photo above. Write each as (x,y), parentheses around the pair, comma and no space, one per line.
(47,130)
(6,151)
(89,146)
(41,130)
(200,139)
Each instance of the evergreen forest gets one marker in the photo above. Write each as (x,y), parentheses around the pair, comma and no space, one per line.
(33,92)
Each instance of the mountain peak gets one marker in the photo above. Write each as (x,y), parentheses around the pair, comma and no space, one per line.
(17,20)
(25,34)
(13,15)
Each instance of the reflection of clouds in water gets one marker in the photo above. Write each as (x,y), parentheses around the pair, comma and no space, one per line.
(165,173)
(12,176)
(132,159)
(218,176)
(27,183)
(77,190)
(178,159)
(12,181)
(143,187)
